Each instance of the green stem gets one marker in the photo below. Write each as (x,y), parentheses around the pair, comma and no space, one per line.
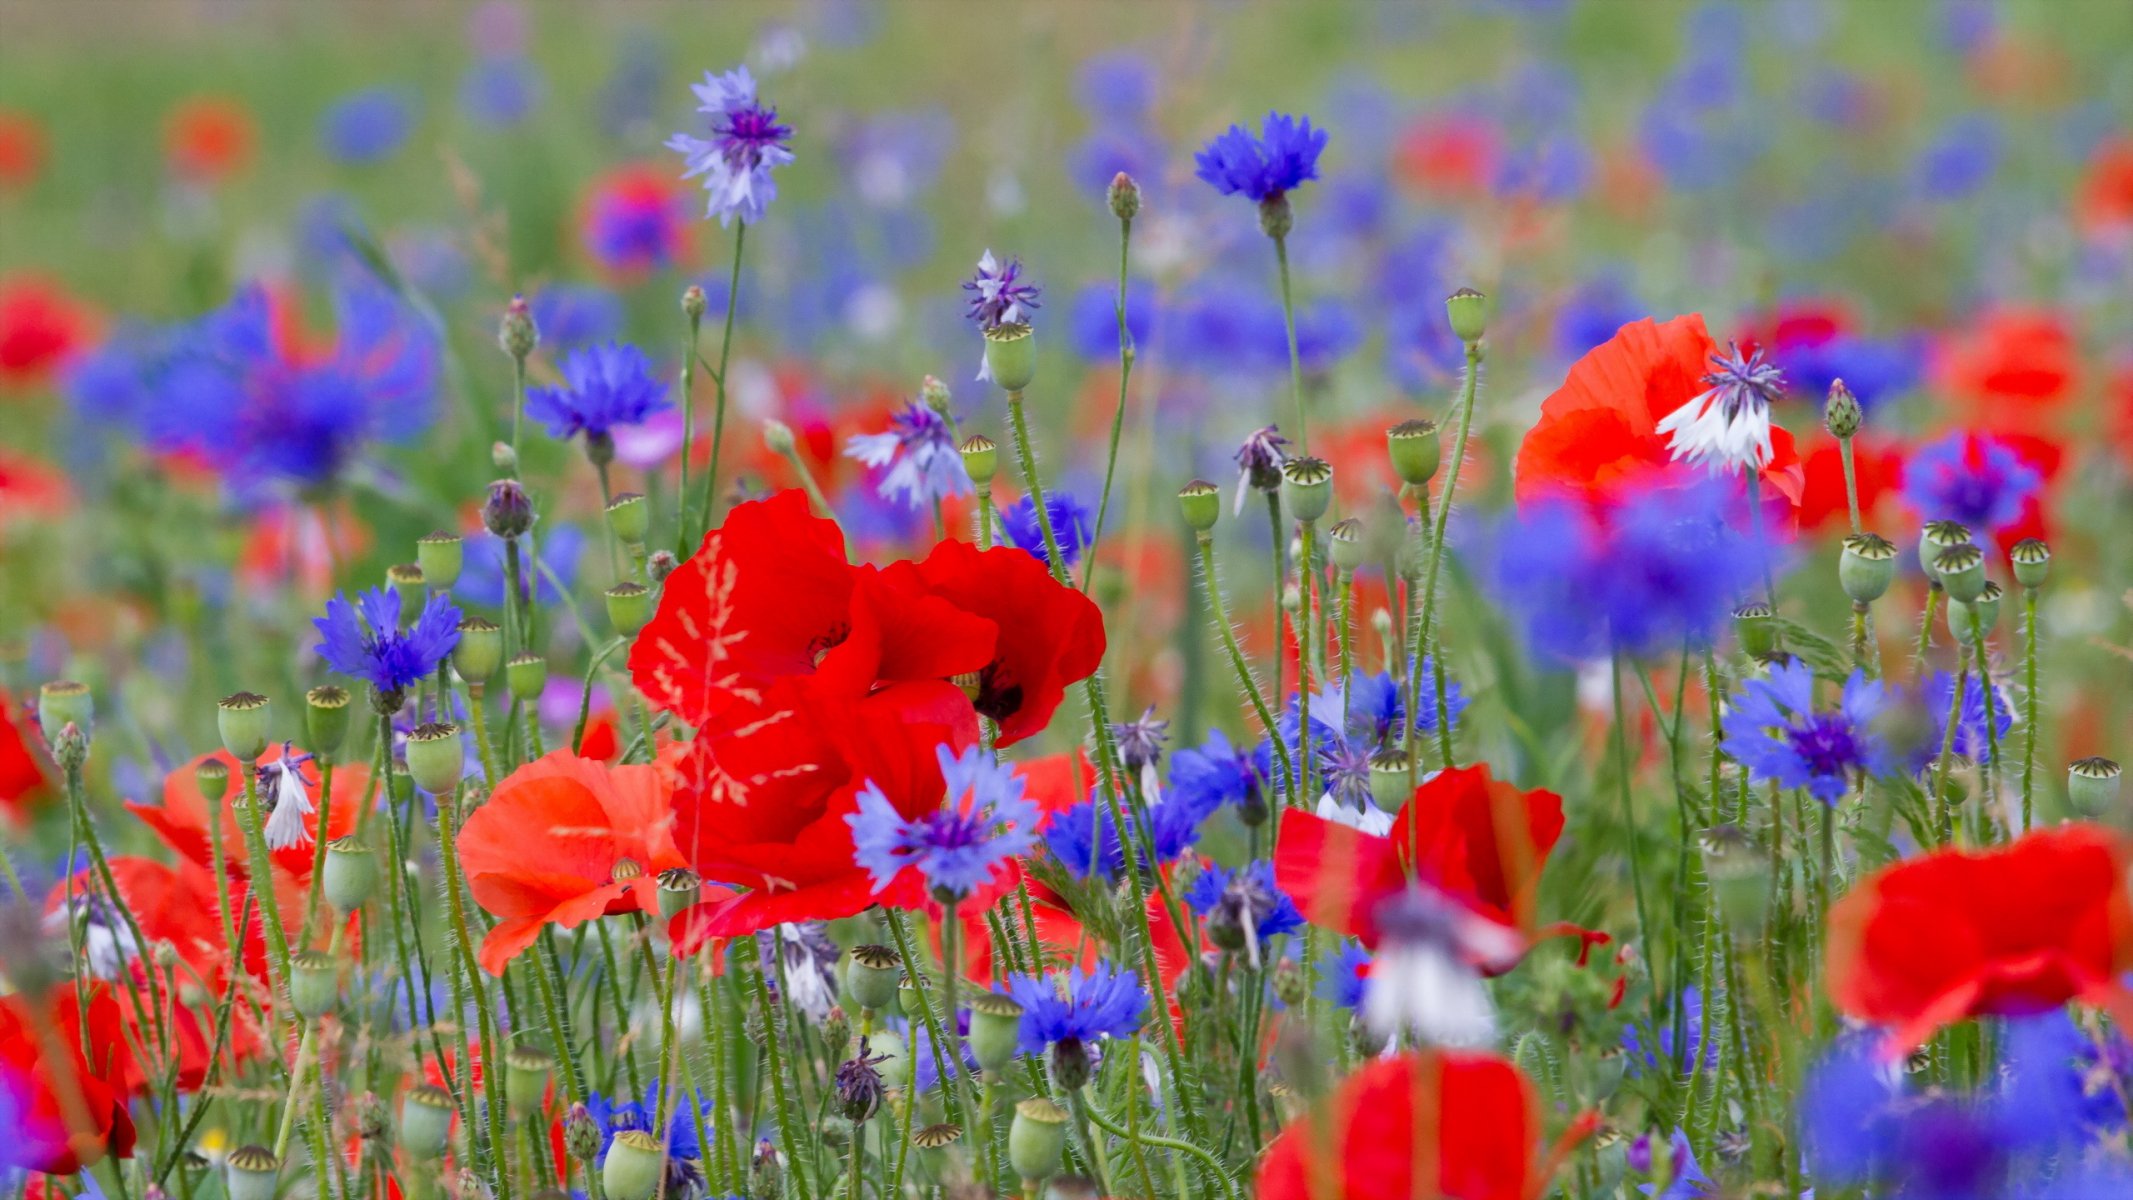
(1126,355)
(2029,701)
(1288,321)
(1208,1161)
(789,1124)
(718,415)
(1947,745)
(1629,819)
(304,1050)
(1851,481)
(683,525)
(318,850)
(1467,390)
(262,876)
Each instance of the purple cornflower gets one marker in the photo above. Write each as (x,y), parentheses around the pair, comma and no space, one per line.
(1970,739)
(984,821)
(746,142)
(367,126)
(1259,462)
(1342,973)
(918,449)
(1140,743)
(605,386)
(1070,526)
(1970,477)
(364,640)
(281,784)
(1773,729)
(999,295)
(1244,909)
(1728,426)
(1219,773)
(1084,837)
(1284,155)
(1080,1007)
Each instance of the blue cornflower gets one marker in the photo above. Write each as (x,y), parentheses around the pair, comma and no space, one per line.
(1084,837)
(1375,702)
(364,640)
(985,820)
(924,465)
(1685,1176)
(1970,477)
(1873,369)
(367,126)
(1219,773)
(1070,526)
(500,91)
(1284,155)
(606,385)
(999,295)
(1092,323)
(1970,739)
(746,142)
(685,1170)
(1642,1051)
(1079,1007)
(481,579)
(1773,729)
(1342,972)
(570,315)
(1244,909)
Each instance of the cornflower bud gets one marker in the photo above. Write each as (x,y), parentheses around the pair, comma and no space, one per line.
(441,556)
(693,302)
(504,457)
(1841,411)
(517,335)
(661,565)
(936,395)
(581,1134)
(1124,196)
(507,512)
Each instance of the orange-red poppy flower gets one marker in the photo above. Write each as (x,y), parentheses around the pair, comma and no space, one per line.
(564,840)
(41,327)
(2010,365)
(208,138)
(68,1093)
(2104,206)
(2012,930)
(21,149)
(22,763)
(1450,1125)
(181,819)
(1877,468)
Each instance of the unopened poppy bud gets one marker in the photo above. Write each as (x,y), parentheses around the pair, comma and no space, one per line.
(981,458)
(1036,1139)
(872,976)
(435,759)
(2032,561)
(351,873)
(634,1166)
(1011,355)
(504,457)
(629,606)
(1468,312)
(2092,785)
(526,1072)
(1276,218)
(326,719)
(1344,544)
(630,516)
(1962,571)
(480,650)
(679,890)
(526,675)
(1307,487)
(1390,784)
(581,1134)
(1415,449)
(693,302)
(1755,624)
(517,335)
(779,437)
(1072,1061)
(995,1028)
(441,556)
(212,779)
(507,512)
(64,702)
(406,580)
(1292,599)
(253,1172)
(660,565)
(1841,411)
(1739,875)
(1986,609)
(1124,196)
(314,983)
(1936,537)
(1201,502)
(242,719)
(426,1121)
(1867,567)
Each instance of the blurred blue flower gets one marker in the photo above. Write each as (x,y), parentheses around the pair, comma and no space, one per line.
(1218,773)
(1774,730)
(1084,836)
(1642,1051)
(1974,478)
(367,126)
(684,1169)
(1342,972)
(746,143)
(1592,314)
(1106,150)
(1092,322)
(1118,85)
(605,386)
(364,640)
(570,315)
(500,91)
(984,820)
(1960,159)
(1282,157)
(481,579)
(916,460)
(1070,526)
(1873,369)
(1935,696)
(1078,1007)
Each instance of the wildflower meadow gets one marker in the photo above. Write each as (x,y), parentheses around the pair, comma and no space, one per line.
(1192,600)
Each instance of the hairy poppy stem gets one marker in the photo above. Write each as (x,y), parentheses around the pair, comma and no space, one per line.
(1126,355)
(718,381)
(1468,387)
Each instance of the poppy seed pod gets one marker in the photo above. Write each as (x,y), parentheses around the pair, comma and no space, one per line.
(1344,544)
(1755,624)
(1739,875)
(679,890)
(242,718)
(435,758)
(2092,785)
(1307,488)
(441,556)
(326,719)
(253,1173)
(995,1029)
(1962,571)
(1986,608)
(1011,355)
(629,515)
(1201,503)
(314,983)
(1840,412)
(981,458)
(480,650)
(1867,567)
(2032,561)
(1389,787)
(872,975)
(351,873)
(526,674)
(629,606)
(526,1072)
(1936,537)
(634,1166)
(212,779)
(1468,312)
(61,703)
(426,1121)
(1036,1139)
(406,580)
(1415,449)
(507,512)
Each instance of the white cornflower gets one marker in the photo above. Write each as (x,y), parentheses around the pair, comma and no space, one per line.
(281,786)
(1728,426)
(1426,979)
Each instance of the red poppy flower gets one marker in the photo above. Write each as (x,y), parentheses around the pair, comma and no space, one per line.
(21,148)
(1598,433)
(563,840)
(69,1094)
(208,138)
(1050,635)
(22,773)
(299,544)
(41,326)
(2009,364)
(1449,156)
(2012,930)
(1877,465)
(30,491)
(770,594)
(181,819)
(1480,841)
(2104,206)
(1439,1124)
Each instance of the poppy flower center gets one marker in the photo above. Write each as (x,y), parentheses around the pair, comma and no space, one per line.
(819,647)
(1825,742)
(999,693)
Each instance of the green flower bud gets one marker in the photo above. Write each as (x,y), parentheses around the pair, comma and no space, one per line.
(212,779)
(526,674)
(435,759)
(517,335)
(694,303)
(629,606)
(872,976)
(1307,488)
(1739,875)
(1962,571)
(1201,502)
(426,1122)
(1389,787)
(995,1029)
(779,437)
(582,1137)
(441,555)
(630,516)
(526,1072)
(504,458)
(507,512)
(1986,607)
(253,1173)
(1289,983)
(1011,355)
(1124,196)
(1936,537)
(635,1162)
(2032,562)
(1415,449)
(1468,311)
(936,395)
(314,983)
(326,719)
(351,874)
(2092,785)
(1035,1141)
(64,702)
(1344,544)
(1755,624)
(242,718)
(981,458)
(1867,567)
(1841,411)
(660,565)
(406,581)
(1276,218)
(480,651)
(679,890)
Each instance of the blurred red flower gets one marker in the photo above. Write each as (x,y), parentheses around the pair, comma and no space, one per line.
(2013,930)
(1449,156)
(41,327)
(2104,207)
(181,819)
(68,1093)
(207,139)
(2009,364)
(1459,1126)
(21,149)
(22,763)
(635,219)
(1877,465)
(29,490)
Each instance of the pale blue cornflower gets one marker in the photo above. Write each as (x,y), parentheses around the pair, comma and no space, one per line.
(746,143)
(984,821)
(917,456)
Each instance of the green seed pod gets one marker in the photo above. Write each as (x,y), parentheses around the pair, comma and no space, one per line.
(635,1161)
(1986,606)
(679,890)
(253,1172)
(1739,875)
(913,993)
(2092,785)
(526,674)
(872,976)
(243,718)
(1307,488)
(1201,502)
(526,1073)
(1035,1140)
(629,606)
(314,983)
(441,555)
(2032,562)
(1755,624)
(405,579)
(1468,311)
(1962,571)
(1389,788)
(435,758)
(1011,356)
(351,874)
(212,778)
(933,1142)
(480,651)
(1415,449)
(326,719)
(630,516)
(64,702)
(995,1025)
(426,1122)
(1936,537)
(1841,411)
(981,458)
(1867,567)
(1344,544)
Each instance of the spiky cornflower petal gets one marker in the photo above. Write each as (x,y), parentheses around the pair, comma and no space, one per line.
(746,142)
(1259,462)
(1080,1006)
(281,785)
(917,455)
(985,820)
(363,640)
(605,386)
(1283,156)
(1974,478)
(1070,526)
(1728,426)
(999,295)
(1774,730)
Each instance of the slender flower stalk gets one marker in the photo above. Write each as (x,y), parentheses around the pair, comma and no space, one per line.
(1125,197)
(1467,390)
(693,304)
(709,506)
